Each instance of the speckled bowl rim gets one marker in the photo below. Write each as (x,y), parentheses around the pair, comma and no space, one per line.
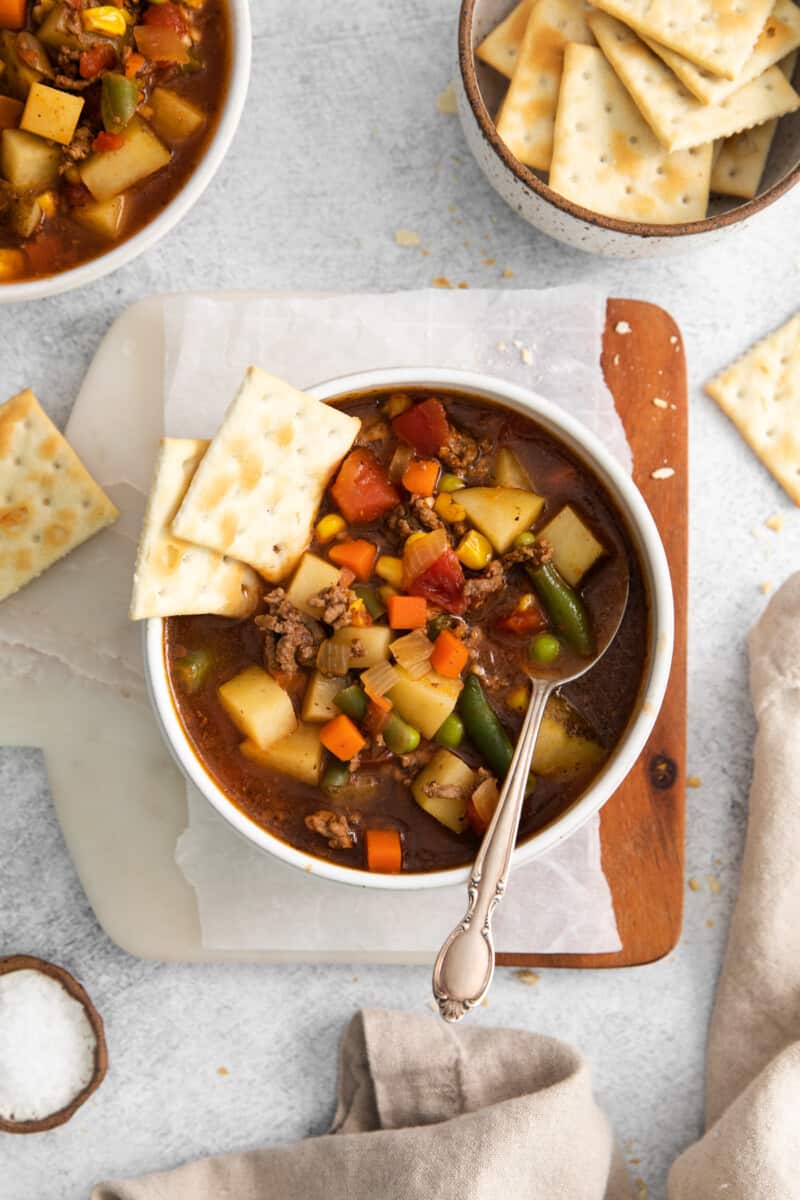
(642,229)
(27,962)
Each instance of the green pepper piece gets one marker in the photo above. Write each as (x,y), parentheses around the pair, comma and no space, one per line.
(336,776)
(399,736)
(451,732)
(370,599)
(564,607)
(119,99)
(352,702)
(483,727)
(193,669)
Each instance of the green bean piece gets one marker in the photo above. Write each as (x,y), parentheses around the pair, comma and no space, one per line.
(526,538)
(483,727)
(451,732)
(352,702)
(370,599)
(544,649)
(119,98)
(400,737)
(336,776)
(564,607)
(193,669)
(450,483)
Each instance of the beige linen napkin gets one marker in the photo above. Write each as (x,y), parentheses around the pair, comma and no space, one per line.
(426,1110)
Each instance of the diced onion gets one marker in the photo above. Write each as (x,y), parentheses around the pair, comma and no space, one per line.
(379,679)
(333,658)
(413,653)
(400,460)
(423,553)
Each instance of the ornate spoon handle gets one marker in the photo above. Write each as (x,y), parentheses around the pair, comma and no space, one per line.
(465,964)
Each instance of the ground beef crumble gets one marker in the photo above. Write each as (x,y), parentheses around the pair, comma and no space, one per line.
(333,826)
(414,517)
(478,589)
(535,555)
(463,452)
(291,640)
(334,604)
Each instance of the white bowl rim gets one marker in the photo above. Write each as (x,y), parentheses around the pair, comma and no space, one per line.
(183,200)
(654,562)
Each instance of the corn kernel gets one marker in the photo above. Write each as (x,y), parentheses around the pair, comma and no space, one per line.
(12,265)
(105,19)
(396,404)
(47,203)
(449,509)
(414,537)
(390,569)
(357,612)
(329,526)
(518,699)
(474,550)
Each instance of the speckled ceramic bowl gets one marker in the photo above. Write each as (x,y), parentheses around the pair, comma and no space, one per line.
(479,90)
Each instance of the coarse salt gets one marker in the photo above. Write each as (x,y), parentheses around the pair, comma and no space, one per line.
(47,1046)
(622,327)
(662,473)
(659,403)
(407,237)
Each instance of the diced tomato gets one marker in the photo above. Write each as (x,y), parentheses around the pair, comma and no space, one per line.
(108,141)
(43,252)
(363,491)
(166,16)
(424,427)
(524,621)
(96,59)
(442,583)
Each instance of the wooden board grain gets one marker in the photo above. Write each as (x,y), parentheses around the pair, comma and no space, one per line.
(642,826)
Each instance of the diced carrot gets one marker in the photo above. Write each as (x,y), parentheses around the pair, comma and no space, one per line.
(420,476)
(134,65)
(381,702)
(449,656)
(358,556)
(108,141)
(407,612)
(12,13)
(384,851)
(342,738)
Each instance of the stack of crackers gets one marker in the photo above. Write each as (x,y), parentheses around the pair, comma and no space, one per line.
(640,109)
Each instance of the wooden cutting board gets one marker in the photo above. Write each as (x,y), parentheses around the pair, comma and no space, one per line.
(642,826)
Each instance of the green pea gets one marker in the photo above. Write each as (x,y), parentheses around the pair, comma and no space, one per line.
(336,776)
(524,539)
(400,737)
(193,669)
(451,732)
(352,702)
(450,483)
(544,648)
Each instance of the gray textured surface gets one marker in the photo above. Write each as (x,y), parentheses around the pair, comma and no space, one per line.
(341,145)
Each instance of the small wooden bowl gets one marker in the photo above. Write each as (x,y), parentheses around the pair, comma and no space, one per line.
(26,962)
(478,91)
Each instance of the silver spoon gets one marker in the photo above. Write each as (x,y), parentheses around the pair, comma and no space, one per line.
(465,964)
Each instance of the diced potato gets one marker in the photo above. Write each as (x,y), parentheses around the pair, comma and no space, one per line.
(28,162)
(374,640)
(508,471)
(500,512)
(25,217)
(563,746)
(575,548)
(106,218)
(425,703)
(318,703)
(313,574)
(51,113)
(107,173)
(18,76)
(299,755)
(258,706)
(447,770)
(174,117)
(10,112)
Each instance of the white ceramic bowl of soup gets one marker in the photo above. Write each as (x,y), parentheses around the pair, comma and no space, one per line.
(240,39)
(647,543)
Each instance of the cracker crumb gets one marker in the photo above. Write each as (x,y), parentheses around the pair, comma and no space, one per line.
(441,281)
(489,262)
(694,781)
(446,101)
(634,1161)
(659,403)
(622,327)
(529,978)
(526,356)
(694,885)
(641,1190)
(463,284)
(485,1002)
(508,273)
(662,473)
(502,347)
(223,1071)
(765,587)
(714,884)
(452,208)
(709,924)
(354,979)
(775,522)
(425,252)
(407,237)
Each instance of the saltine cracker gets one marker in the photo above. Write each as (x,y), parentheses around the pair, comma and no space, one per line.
(606,158)
(740,163)
(256,491)
(49,503)
(760,393)
(677,118)
(501,47)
